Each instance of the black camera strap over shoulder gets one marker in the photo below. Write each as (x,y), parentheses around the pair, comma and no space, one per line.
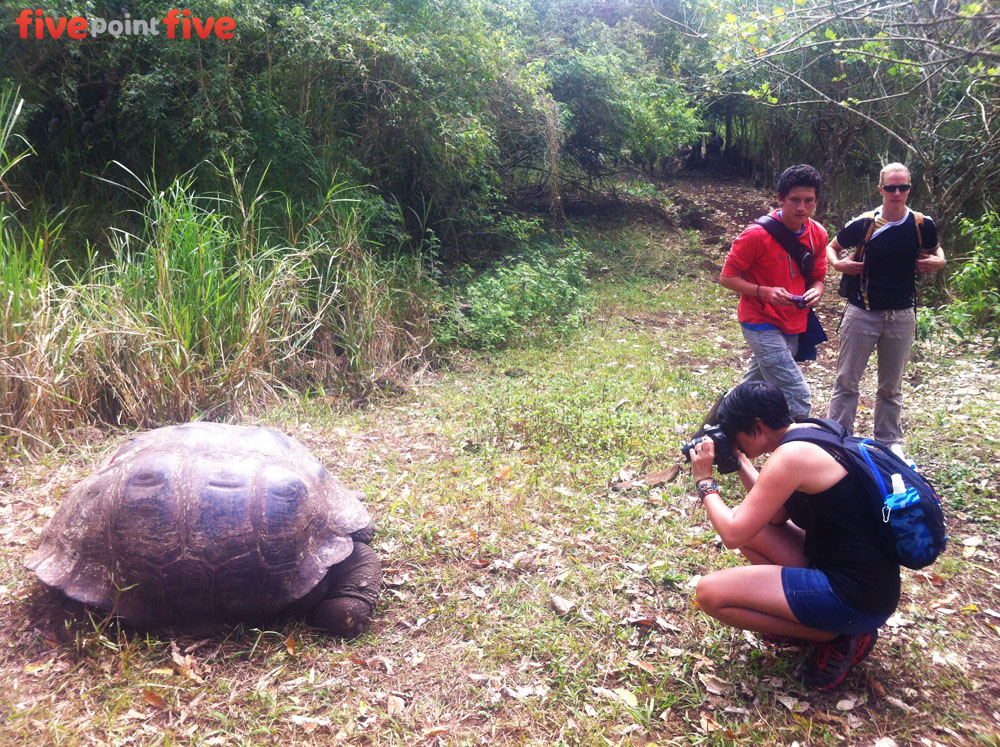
(804,259)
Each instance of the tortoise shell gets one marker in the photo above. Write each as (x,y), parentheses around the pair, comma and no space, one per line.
(200,523)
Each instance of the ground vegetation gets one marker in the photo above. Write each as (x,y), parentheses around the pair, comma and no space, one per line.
(538,592)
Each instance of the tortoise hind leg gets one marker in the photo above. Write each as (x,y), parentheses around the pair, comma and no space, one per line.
(351,590)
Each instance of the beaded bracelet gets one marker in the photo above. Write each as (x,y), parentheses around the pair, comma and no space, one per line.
(705,487)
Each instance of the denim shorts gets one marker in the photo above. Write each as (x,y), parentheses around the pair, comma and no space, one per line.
(816,605)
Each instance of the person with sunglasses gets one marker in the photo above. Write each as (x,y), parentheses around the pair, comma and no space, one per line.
(894,244)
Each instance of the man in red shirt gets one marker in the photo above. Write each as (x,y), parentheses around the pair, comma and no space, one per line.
(769,280)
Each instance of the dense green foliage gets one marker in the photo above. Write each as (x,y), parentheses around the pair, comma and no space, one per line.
(448,121)
(977,283)
(348,186)
(540,290)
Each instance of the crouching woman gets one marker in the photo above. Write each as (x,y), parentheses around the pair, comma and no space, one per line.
(818,573)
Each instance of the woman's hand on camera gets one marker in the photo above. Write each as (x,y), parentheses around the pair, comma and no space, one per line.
(702,458)
(745,464)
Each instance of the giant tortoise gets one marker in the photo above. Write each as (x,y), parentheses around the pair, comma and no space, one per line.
(197,525)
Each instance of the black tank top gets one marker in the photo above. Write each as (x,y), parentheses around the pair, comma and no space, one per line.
(842,541)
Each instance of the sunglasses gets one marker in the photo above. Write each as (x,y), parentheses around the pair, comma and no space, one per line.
(896,187)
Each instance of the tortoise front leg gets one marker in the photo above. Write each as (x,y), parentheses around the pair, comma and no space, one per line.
(351,590)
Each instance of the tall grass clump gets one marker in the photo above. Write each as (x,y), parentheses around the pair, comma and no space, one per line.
(539,292)
(207,312)
(38,328)
(187,320)
(40,333)
(201,312)
(376,327)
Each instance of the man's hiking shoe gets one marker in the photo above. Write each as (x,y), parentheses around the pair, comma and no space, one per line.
(834,659)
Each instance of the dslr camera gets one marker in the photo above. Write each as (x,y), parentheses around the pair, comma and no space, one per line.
(725,458)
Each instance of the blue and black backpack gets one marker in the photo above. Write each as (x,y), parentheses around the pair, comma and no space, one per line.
(910,517)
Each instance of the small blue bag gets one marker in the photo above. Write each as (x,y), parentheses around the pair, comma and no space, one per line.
(912,523)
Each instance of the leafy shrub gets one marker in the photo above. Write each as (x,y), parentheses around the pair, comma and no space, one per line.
(977,282)
(541,289)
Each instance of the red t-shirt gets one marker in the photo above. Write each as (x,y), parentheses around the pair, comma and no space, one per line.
(758,258)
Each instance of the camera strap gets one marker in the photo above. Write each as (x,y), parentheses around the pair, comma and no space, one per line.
(804,259)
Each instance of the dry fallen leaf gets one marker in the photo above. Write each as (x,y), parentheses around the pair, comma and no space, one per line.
(290,645)
(928,577)
(433,731)
(525,691)
(394,705)
(308,724)
(561,605)
(187,666)
(667,627)
(900,704)
(153,698)
(619,695)
(707,723)
(713,684)
(792,704)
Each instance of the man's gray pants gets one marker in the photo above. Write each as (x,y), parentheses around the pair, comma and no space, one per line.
(891,333)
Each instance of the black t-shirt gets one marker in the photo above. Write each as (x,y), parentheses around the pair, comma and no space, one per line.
(842,540)
(890,260)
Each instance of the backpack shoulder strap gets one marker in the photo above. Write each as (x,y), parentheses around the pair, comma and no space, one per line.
(859,253)
(790,243)
(831,444)
(918,219)
(860,256)
(828,425)
(780,233)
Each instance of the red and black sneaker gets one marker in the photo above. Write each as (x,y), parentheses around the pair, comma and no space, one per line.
(834,659)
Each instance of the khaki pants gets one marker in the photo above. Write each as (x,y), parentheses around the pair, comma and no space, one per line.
(891,334)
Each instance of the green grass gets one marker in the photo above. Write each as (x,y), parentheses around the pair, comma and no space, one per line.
(491,486)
